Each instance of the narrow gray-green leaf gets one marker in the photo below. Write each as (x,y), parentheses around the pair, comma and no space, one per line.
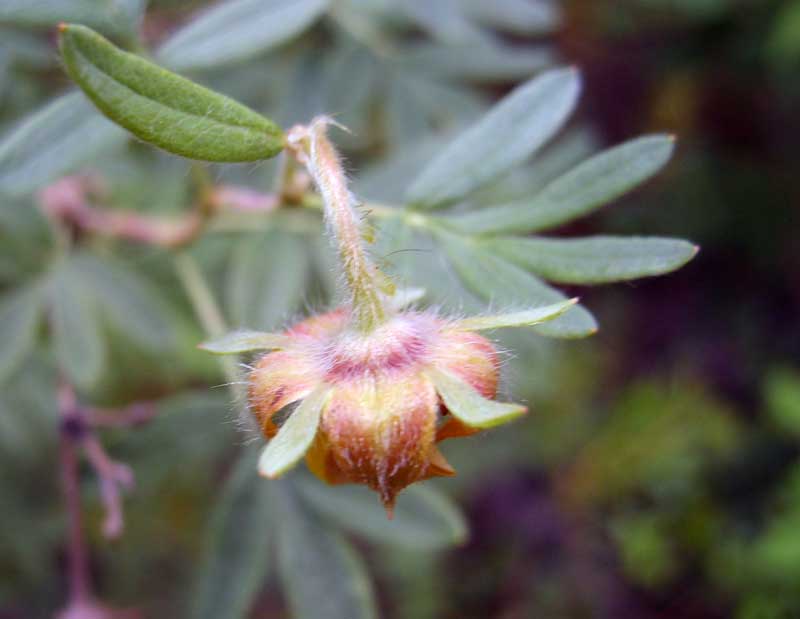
(423,518)
(237,30)
(128,301)
(322,575)
(115,17)
(76,333)
(512,131)
(524,318)
(469,406)
(237,553)
(486,62)
(20,311)
(163,108)
(590,185)
(595,260)
(53,141)
(295,435)
(238,342)
(508,286)
(517,16)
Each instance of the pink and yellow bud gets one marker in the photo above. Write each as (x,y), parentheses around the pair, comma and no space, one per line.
(383,417)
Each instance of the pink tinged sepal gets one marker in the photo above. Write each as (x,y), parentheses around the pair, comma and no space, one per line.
(295,436)
(469,406)
(279,379)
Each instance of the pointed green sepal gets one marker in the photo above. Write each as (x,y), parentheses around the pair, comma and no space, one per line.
(237,342)
(525,318)
(469,406)
(295,436)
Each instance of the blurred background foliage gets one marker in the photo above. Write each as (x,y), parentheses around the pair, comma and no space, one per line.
(659,474)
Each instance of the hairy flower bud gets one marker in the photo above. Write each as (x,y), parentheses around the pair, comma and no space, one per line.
(383,416)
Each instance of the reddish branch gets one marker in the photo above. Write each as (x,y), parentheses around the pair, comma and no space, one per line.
(77,434)
(77,202)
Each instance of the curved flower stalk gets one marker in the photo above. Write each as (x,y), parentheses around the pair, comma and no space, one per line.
(375,385)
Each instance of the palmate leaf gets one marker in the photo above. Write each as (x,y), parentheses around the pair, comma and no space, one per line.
(322,575)
(592,184)
(237,555)
(423,518)
(517,16)
(594,260)
(523,318)
(20,312)
(236,30)
(53,141)
(237,342)
(512,131)
(163,108)
(505,285)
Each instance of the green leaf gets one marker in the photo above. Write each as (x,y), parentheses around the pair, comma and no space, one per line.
(512,131)
(20,312)
(237,30)
(53,141)
(469,406)
(128,301)
(594,260)
(77,338)
(423,518)
(782,392)
(502,283)
(163,108)
(323,577)
(238,342)
(236,559)
(590,185)
(525,318)
(267,279)
(294,436)
(116,17)
(485,62)
(516,16)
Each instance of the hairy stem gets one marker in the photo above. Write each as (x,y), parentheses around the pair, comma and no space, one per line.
(318,153)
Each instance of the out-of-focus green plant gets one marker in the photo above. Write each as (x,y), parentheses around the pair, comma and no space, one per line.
(124,267)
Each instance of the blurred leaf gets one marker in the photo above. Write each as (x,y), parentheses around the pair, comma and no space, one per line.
(502,283)
(783,399)
(54,141)
(593,183)
(516,16)
(525,318)
(294,436)
(20,311)
(482,62)
(244,341)
(466,404)
(423,518)
(784,41)
(646,550)
(163,108)
(322,575)
(116,17)
(512,130)
(236,30)
(594,260)
(444,20)
(127,300)
(237,551)
(267,278)
(76,333)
